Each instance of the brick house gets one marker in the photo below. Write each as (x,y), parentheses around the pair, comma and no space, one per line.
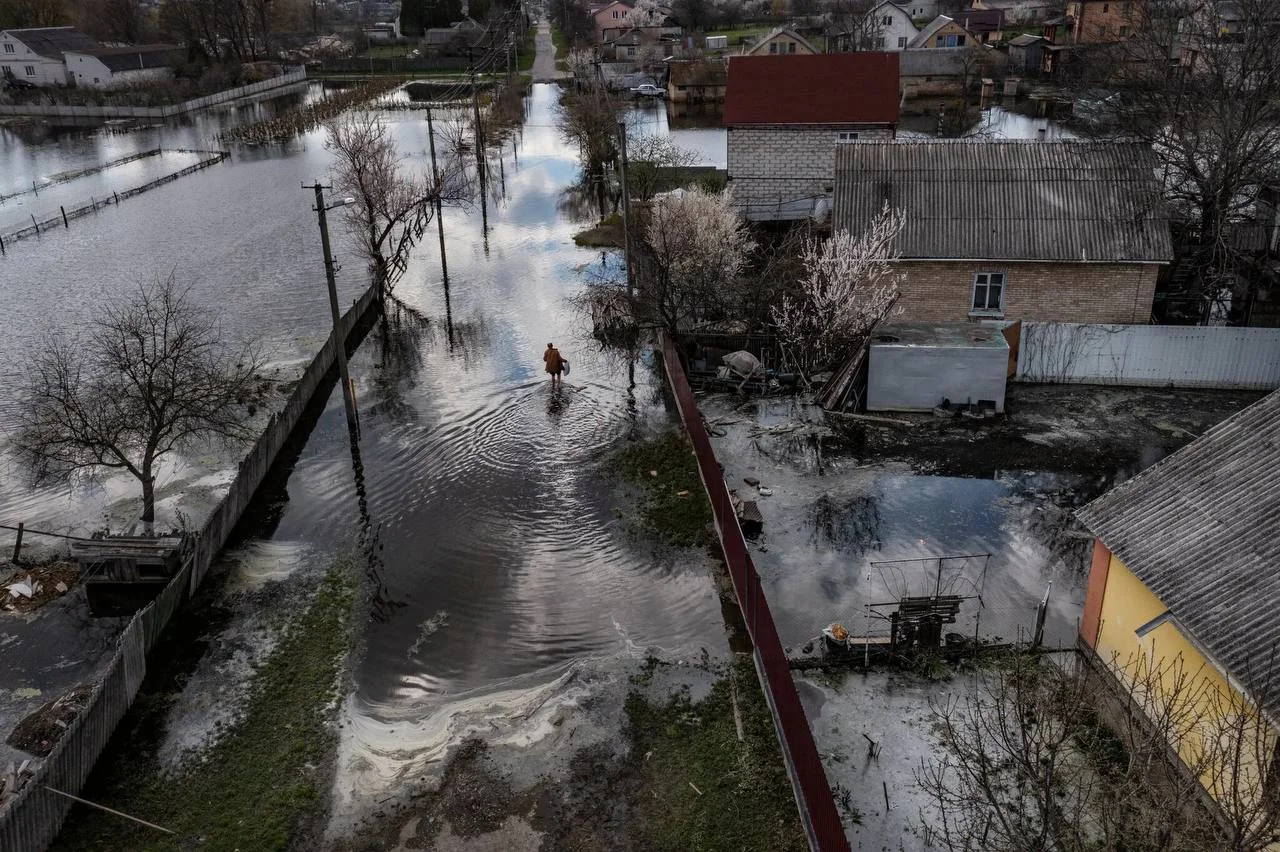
(1103,21)
(787,115)
(610,16)
(1015,230)
(943,31)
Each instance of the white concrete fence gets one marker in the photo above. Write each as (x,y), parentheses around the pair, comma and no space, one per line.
(294,75)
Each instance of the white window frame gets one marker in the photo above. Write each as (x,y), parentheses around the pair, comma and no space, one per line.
(986,280)
(902,42)
(8,47)
(30,70)
(846,137)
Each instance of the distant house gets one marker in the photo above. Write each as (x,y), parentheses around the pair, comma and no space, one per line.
(1102,21)
(786,117)
(1005,230)
(1027,54)
(382,33)
(456,39)
(943,32)
(697,82)
(986,25)
(35,55)
(115,67)
(945,71)
(1021,11)
(887,26)
(920,10)
(615,14)
(781,40)
(1183,580)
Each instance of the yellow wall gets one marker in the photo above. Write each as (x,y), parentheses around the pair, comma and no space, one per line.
(1127,605)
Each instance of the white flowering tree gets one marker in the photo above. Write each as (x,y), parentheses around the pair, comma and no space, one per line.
(648,13)
(850,284)
(695,247)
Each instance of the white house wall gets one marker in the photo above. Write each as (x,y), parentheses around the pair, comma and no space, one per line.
(20,59)
(1150,355)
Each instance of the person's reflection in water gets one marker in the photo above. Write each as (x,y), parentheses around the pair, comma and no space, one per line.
(557,401)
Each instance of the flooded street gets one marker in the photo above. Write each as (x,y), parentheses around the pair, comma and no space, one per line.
(502,581)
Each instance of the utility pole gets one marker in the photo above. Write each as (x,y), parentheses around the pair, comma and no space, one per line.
(479,134)
(435,176)
(626,210)
(344,377)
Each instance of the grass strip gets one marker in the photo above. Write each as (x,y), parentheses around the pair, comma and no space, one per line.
(261,782)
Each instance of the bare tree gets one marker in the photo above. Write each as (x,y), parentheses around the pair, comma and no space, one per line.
(32,13)
(392,206)
(1199,81)
(589,119)
(1031,765)
(655,161)
(852,26)
(154,377)
(850,284)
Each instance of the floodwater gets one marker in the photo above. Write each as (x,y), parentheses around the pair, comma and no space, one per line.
(500,568)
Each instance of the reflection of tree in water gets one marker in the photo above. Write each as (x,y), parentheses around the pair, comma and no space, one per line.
(587,201)
(852,526)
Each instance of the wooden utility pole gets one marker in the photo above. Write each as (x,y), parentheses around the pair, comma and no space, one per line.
(626,210)
(340,340)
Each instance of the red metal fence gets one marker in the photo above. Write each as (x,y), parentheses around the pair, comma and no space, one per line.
(808,779)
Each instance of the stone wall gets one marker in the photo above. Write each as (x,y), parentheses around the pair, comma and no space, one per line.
(942,291)
(778,172)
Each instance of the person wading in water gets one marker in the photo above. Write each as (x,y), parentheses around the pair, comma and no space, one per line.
(555,363)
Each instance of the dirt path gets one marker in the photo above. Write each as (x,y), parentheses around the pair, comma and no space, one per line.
(544,63)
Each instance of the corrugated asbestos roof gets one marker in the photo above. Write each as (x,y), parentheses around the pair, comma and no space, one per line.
(50,42)
(1201,529)
(826,88)
(1008,200)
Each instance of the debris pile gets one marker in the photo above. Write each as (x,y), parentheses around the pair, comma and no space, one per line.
(39,732)
(28,589)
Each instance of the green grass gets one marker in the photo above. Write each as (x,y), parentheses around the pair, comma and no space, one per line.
(673,506)
(528,50)
(607,234)
(260,782)
(743,800)
(561,41)
(387,51)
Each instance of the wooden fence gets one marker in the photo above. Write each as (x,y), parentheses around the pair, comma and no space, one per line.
(65,216)
(294,75)
(30,821)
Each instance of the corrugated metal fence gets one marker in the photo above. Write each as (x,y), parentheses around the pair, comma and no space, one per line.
(294,75)
(30,821)
(808,779)
(1150,355)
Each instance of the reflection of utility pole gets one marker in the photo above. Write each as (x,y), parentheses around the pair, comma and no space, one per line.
(626,211)
(340,339)
(444,263)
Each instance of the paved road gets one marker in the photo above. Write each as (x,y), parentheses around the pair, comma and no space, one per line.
(544,63)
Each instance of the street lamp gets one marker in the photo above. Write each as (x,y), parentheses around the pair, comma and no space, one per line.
(348,396)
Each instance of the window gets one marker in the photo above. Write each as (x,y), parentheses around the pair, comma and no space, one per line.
(950,41)
(1124,31)
(31,70)
(8,48)
(886,20)
(791,47)
(988,293)
(615,14)
(1106,7)
(773,47)
(844,137)
(881,44)
(902,42)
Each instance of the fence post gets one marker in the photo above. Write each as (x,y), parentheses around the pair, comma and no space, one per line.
(64,216)
(37,224)
(17,545)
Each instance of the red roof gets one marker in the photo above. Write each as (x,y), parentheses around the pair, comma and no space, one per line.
(826,88)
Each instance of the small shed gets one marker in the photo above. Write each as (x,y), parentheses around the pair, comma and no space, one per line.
(914,367)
